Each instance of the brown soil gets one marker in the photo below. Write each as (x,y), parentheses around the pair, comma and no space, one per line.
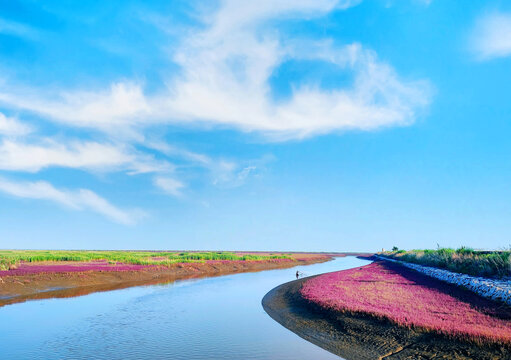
(356,336)
(15,289)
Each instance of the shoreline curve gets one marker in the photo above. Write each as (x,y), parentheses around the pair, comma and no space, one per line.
(358,336)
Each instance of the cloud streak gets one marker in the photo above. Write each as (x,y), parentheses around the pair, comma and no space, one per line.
(169,185)
(81,199)
(28,157)
(12,127)
(491,37)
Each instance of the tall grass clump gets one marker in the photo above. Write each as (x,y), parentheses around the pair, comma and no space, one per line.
(463,260)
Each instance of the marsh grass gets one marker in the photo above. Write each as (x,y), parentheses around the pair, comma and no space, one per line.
(463,260)
(10,258)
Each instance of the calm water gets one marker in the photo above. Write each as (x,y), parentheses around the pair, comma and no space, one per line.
(211,318)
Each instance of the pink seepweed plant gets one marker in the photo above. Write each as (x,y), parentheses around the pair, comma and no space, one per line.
(34,268)
(410,299)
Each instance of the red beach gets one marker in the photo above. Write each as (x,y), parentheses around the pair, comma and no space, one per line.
(410,299)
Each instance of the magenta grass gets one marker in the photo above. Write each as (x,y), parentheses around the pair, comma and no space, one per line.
(248,261)
(410,299)
(29,268)
(72,266)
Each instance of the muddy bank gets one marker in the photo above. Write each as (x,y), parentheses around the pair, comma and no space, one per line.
(357,336)
(15,289)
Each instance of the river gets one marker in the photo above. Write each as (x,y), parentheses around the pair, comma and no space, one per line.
(209,318)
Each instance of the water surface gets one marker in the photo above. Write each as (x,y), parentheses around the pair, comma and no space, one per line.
(210,318)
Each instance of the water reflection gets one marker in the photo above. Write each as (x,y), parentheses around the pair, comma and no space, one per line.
(209,318)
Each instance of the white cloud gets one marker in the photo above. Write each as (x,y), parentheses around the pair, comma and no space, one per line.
(105,109)
(171,150)
(229,174)
(491,37)
(21,156)
(81,199)
(235,15)
(225,69)
(245,172)
(223,172)
(12,127)
(169,185)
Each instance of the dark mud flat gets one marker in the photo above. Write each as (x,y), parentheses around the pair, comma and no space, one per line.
(356,336)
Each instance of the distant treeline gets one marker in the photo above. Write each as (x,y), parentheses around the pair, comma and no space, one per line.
(10,258)
(463,260)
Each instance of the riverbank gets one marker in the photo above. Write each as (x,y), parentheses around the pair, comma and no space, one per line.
(494,264)
(361,335)
(42,280)
(491,288)
(210,318)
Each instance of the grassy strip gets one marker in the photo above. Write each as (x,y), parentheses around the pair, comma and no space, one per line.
(463,260)
(10,258)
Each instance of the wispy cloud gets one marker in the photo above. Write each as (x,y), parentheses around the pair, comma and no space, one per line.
(491,37)
(32,157)
(109,109)
(171,150)
(81,199)
(169,185)
(229,174)
(222,172)
(12,127)
(225,67)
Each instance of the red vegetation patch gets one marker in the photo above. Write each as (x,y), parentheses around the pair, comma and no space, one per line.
(159,258)
(70,266)
(76,266)
(248,261)
(410,299)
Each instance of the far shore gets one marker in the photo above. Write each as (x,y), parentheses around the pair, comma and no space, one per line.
(76,279)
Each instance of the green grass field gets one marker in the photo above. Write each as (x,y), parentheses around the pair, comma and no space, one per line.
(9,258)
(463,260)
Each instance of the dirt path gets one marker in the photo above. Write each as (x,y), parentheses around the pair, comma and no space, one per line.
(356,337)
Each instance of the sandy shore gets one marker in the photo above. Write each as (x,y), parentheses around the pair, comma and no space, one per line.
(356,336)
(15,289)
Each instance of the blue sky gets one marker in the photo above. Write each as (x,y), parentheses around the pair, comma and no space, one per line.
(328,125)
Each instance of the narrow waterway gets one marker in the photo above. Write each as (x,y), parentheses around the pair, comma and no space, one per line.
(211,318)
